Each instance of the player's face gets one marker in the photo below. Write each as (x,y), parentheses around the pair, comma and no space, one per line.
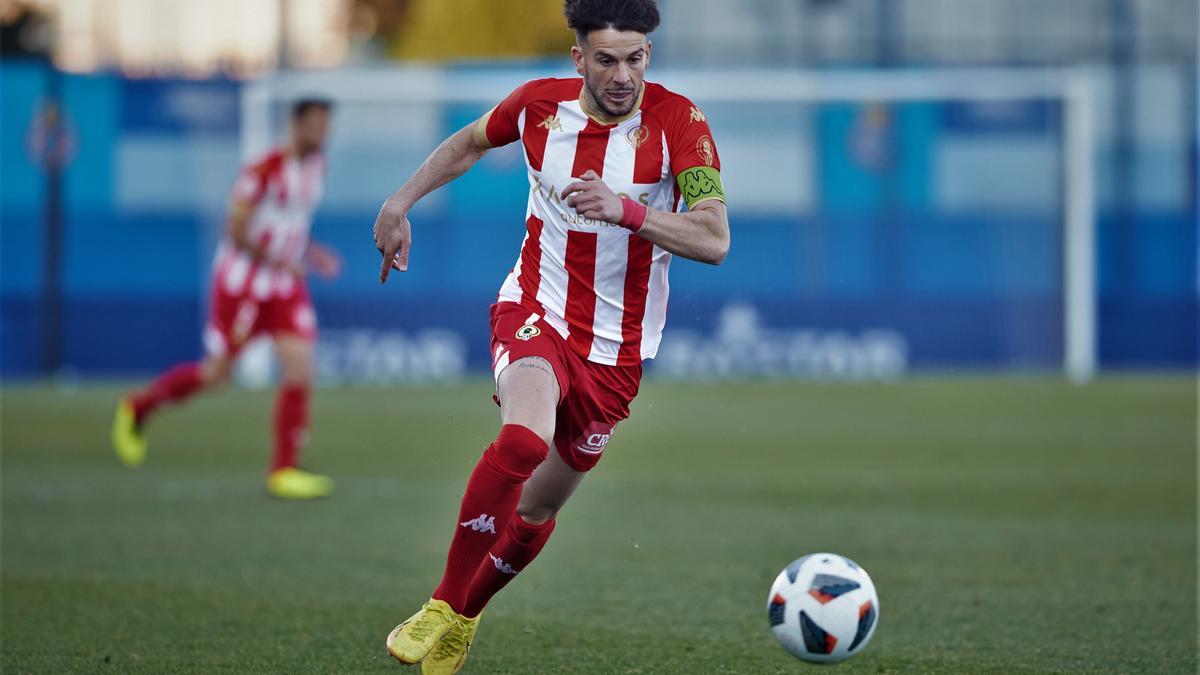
(310,129)
(613,65)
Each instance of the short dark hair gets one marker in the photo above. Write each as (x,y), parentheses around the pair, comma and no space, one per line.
(585,16)
(300,107)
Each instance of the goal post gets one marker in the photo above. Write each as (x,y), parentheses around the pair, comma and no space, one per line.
(263,104)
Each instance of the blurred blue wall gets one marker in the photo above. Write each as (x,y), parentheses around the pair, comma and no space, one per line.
(871,238)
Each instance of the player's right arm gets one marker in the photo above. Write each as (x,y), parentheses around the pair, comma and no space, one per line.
(238,229)
(451,159)
(248,193)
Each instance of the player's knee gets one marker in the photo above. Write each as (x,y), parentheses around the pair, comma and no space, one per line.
(544,432)
(216,370)
(516,452)
(295,376)
(537,514)
(296,367)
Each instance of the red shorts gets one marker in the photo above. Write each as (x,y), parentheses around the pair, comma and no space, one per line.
(593,397)
(234,319)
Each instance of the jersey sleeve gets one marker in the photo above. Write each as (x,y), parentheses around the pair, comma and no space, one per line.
(251,184)
(502,126)
(693,153)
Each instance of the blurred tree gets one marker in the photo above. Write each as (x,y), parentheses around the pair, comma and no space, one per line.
(439,30)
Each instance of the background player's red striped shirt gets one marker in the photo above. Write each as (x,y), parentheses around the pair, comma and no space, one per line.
(284,191)
(602,288)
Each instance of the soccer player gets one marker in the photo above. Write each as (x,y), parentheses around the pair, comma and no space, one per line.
(612,161)
(258,287)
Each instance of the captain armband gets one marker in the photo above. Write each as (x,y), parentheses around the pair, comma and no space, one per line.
(700,183)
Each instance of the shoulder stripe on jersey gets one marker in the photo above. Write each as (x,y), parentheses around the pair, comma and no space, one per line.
(590,147)
(537,130)
(637,285)
(530,275)
(581,290)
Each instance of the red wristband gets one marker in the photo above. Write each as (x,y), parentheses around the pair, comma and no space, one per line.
(633,215)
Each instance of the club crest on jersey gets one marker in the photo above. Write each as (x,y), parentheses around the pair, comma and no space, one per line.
(637,135)
(551,123)
(696,115)
(528,332)
(704,147)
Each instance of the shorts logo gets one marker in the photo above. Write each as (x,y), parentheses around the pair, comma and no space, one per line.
(704,147)
(595,438)
(637,135)
(528,332)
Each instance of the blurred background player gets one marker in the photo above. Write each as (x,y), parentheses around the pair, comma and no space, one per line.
(613,160)
(259,288)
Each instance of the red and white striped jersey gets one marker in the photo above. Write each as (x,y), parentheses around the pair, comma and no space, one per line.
(602,288)
(283,190)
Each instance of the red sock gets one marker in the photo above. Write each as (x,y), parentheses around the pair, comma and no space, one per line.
(488,505)
(291,424)
(521,543)
(173,386)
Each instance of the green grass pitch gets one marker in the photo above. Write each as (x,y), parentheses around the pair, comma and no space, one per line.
(1011,525)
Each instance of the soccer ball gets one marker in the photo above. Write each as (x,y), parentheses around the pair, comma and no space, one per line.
(823,608)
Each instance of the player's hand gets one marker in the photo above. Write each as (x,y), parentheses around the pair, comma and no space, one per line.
(591,198)
(324,260)
(393,236)
(289,267)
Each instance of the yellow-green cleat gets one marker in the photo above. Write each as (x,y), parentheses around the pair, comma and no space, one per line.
(127,438)
(293,483)
(451,652)
(413,640)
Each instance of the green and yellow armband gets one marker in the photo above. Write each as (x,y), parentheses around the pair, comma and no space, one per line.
(700,183)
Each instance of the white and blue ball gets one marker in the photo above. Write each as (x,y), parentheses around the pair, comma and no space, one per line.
(823,608)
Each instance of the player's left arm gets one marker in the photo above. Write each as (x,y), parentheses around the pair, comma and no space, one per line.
(324,260)
(701,234)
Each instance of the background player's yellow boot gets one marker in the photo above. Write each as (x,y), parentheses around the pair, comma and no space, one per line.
(414,639)
(127,439)
(293,483)
(450,654)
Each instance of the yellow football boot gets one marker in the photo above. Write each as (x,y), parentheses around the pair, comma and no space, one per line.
(414,639)
(127,439)
(450,654)
(293,483)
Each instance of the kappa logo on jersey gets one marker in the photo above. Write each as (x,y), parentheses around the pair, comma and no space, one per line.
(502,566)
(528,332)
(704,147)
(637,135)
(484,523)
(595,438)
(697,116)
(551,123)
